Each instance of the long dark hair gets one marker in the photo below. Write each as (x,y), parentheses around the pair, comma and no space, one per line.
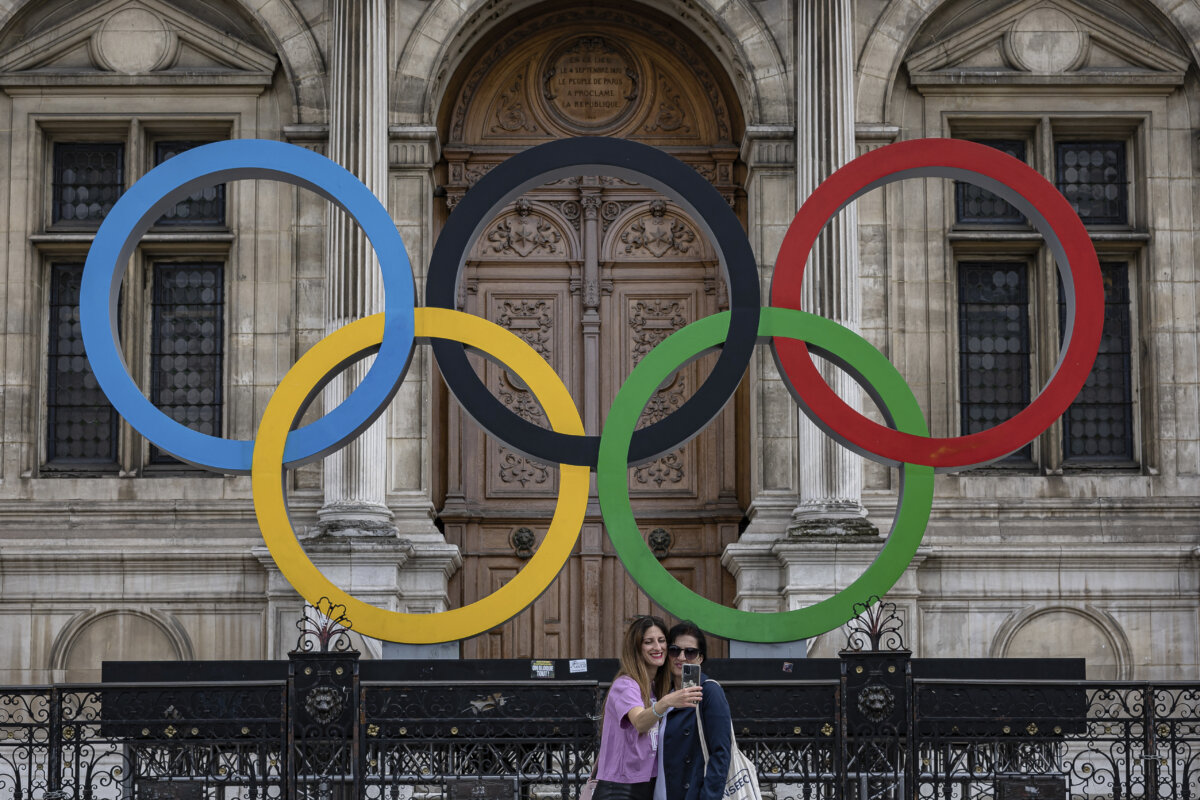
(632,663)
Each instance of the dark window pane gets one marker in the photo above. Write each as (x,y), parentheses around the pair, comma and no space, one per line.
(1098,427)
(205,206)
(1092,177)
(993,330)
(976,205)
(88,179)
(81,426)
(187,347)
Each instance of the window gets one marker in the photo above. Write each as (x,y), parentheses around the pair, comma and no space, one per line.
(1099,425)
(187,349)
(88,179)
(1011,314)
(976,205)
(174,291)
(81,427)
(993,335)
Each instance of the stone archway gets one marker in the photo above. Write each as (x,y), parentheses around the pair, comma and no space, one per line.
(592,271)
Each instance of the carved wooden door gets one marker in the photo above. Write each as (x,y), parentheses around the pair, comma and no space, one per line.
(592,272)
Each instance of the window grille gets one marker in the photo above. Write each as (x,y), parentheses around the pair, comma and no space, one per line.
(975,205)
(81,426)
(187,347)
(203,207)
(1092,177)
(993,328)
(88,179)
(1098,427)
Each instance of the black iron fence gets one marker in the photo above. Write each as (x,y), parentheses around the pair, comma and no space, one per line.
(873,724)
(333,738)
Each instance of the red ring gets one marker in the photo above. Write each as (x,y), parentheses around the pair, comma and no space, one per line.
(1049,211)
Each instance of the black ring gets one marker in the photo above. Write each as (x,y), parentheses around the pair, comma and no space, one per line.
(632,161)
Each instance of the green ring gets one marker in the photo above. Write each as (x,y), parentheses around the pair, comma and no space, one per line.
(878,377)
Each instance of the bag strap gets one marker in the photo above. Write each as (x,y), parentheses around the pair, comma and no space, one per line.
(700,729)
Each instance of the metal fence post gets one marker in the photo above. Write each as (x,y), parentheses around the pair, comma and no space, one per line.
(1149,742)
(54,747)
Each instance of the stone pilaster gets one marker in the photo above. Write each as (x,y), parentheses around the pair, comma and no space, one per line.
(830,476)
(355,476)
(768,151)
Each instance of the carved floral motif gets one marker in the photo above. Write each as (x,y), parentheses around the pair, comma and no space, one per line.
(659,233)
(651,321)
(526,234)
(510,111)
(533,321)
(668,469)
(670,115)
(519,469)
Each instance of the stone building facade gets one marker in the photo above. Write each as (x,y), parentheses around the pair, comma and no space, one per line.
(1083,543)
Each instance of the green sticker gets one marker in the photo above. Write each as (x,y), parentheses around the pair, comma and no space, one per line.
(877,376)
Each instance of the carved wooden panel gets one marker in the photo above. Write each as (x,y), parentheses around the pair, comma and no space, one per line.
(593,271)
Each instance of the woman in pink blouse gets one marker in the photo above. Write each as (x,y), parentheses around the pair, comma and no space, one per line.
(638,699)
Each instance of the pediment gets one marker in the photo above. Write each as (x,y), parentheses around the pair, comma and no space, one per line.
(1038,42)
(528,230)
(140,40)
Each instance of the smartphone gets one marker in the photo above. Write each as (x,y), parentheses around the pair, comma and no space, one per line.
(691,675)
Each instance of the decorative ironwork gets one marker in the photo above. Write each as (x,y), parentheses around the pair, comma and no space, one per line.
(876,623)
(324,628)
(968,739)
(660,542)
(876,702)
(522,540)
(875,732)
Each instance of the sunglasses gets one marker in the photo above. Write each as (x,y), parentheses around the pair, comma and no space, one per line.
(689,653)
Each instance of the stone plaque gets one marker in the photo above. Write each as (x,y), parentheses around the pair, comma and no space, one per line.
(590,83)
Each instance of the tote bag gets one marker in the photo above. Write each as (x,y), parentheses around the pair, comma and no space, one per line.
(742,783)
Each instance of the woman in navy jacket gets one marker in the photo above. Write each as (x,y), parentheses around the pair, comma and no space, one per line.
(681,772)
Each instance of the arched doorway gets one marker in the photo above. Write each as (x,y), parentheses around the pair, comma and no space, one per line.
(592,271)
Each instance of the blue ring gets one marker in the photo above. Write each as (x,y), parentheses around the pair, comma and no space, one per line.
(158,191)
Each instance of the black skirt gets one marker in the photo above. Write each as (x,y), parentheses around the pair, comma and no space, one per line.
(607,790)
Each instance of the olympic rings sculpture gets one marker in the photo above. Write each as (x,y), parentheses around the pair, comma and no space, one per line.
(792,334)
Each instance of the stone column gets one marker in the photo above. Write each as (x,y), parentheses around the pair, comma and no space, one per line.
(355,476)
(830,476)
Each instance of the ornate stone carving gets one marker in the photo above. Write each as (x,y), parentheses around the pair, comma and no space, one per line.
(519,469)
(670,115)
(569,209)
(611,209)
(651,321)
(590,82)
(590,203)
(529,319)
(668,469)
(533,321)
(510,111)
(526,234)
(658,233)
(593,18)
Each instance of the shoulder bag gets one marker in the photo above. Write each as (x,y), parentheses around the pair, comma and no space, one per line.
(742,782)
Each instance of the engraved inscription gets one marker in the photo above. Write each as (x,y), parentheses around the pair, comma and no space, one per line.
(590,83)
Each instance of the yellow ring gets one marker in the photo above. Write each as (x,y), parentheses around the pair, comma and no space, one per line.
(270,501)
